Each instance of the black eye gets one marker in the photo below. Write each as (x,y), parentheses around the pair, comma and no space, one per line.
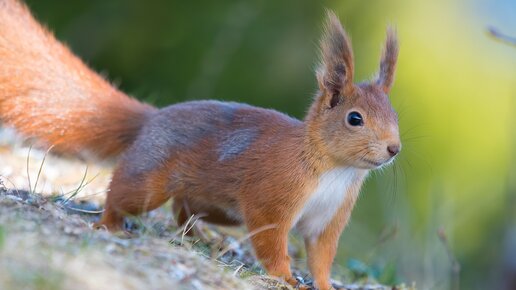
(355,119)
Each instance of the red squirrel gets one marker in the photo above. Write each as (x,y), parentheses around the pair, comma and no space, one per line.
(234,163)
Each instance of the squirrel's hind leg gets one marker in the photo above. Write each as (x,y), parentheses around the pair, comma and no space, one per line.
(132,196)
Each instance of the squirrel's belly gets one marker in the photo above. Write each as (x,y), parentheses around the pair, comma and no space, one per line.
(323,203)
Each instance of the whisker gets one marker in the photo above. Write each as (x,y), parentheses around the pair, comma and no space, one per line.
(406,139)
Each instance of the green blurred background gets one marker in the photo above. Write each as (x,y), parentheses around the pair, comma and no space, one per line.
(455,93)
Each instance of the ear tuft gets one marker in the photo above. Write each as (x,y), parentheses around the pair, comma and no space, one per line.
(335,73)
(388,61)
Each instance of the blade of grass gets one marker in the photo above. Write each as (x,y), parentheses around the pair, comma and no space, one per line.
(41,168)
(81,186)
(28,170)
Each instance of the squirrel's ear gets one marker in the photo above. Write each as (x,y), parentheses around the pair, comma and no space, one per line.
(388,62)
(335,72)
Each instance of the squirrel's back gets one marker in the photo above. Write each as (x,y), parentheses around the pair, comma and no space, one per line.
(49,94)
(218,132)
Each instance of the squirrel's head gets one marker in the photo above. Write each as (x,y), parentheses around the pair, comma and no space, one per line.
(354,124)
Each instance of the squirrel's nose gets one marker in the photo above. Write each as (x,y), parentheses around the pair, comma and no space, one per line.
(393,149)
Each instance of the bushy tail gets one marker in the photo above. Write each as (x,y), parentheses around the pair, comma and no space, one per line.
(49,94)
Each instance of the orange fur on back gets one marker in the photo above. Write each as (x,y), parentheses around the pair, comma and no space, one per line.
(48,94)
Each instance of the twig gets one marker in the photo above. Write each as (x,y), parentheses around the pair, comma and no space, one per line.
(453,260)
(2,184)
(187,228)
(238,269)
(246,237)
(387,234)
(195,227)
(184,229)
(493,32)
(84,210)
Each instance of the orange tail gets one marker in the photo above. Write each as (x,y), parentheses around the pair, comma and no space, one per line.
(49,94)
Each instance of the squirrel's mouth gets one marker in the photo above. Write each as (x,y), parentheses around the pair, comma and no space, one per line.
(377,164)
(372,162)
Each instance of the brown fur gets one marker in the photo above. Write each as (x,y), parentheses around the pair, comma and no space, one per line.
(232,163)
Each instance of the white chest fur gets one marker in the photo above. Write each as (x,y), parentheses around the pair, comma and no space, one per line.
(323,203)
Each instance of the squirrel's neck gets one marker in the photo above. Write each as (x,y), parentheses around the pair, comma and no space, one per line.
(313,153)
